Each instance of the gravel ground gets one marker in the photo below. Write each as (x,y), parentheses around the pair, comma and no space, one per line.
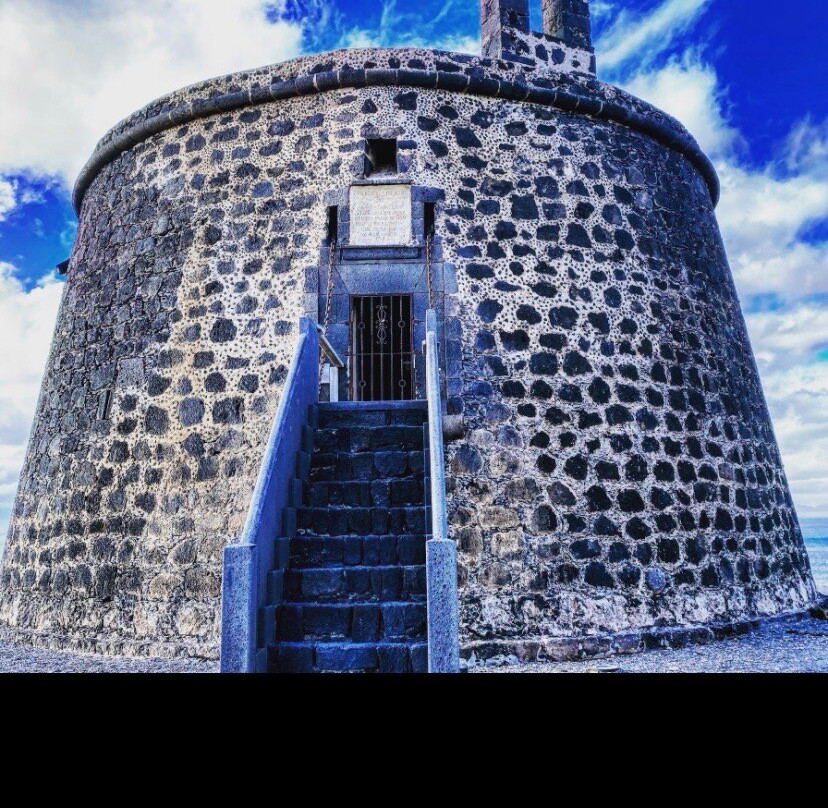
(799,646)
(25,659)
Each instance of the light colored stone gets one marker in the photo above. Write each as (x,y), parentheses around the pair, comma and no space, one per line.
(380,215)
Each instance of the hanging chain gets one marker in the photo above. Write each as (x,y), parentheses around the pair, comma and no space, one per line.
(329,297)
(428,272)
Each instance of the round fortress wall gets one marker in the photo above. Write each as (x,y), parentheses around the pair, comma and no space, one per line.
(618,469)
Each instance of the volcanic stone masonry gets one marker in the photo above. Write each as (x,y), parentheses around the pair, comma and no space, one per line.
(619,471)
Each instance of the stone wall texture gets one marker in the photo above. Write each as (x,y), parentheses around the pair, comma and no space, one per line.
(618,470)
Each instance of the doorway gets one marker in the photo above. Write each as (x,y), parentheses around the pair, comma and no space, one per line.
(382,348)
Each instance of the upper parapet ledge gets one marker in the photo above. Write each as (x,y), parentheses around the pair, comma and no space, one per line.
(565,45)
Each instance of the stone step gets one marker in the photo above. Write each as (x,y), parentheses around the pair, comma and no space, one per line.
(324,551)
(358,439)
(373,414)
(362,493)
(314,657)
(344,466)
(343,521)
(390,621)
(364,583)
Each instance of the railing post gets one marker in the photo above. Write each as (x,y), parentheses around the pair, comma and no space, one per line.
(441,552)
(239,604)
(333,383)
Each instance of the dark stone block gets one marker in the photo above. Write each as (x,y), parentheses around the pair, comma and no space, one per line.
(406,101)
(559,494)
(596,574)
(575,364)
(545,364)
(488,310)
(668,551)
(577,467)
(505,231)
(656,579)
(630,501)
(544,519)
(156,421)
(524,207)
(466,138)
(438,148)
(597,499)
(223,330)
(191,411)
(229,411)
(599,391)
(563,317)
(585,548)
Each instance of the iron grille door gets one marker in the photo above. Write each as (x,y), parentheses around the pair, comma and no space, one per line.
(382,348)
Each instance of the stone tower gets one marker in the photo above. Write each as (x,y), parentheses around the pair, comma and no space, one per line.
(617,475)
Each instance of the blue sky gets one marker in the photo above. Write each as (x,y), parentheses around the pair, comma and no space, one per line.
(746,78)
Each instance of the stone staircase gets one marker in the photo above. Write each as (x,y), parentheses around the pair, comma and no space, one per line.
(353,594)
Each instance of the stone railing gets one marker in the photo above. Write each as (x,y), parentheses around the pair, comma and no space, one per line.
(248,563)
(441,552)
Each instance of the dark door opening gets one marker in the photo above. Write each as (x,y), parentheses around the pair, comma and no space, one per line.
(382,356)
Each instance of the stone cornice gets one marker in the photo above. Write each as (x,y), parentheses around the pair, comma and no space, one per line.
(480,77)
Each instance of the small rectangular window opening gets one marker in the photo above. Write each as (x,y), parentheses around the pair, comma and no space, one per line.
(333,223)
(428,218)
(382,156)
(104,405)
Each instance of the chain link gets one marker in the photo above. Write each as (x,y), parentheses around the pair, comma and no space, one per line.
(328,299)
(428,272)
(329,295)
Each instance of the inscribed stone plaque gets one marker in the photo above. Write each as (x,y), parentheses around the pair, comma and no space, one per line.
(380,215)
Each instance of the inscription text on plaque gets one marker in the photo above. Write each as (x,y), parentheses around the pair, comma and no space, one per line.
(380,215)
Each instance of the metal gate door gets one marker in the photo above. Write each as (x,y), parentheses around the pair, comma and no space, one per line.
(382,356)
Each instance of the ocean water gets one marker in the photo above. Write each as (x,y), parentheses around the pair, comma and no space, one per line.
(815,532)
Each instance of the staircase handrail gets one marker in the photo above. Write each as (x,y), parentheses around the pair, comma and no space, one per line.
(441,552)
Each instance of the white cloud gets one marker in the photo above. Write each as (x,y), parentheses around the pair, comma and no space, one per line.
(787,338)
(70,69)
(807,147)
(396,26)
(798,401)
(762,211)
(762,214)
(640,38)
(27,321)
(8,198)
(688,89)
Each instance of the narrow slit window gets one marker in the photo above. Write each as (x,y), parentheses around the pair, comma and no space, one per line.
(333,223)
(104,405)
(382,156)
(429,218)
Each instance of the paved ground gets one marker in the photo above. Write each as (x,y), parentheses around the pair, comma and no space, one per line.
(783,647)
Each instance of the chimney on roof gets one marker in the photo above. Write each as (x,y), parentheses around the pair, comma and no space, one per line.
(505,26)
(568,20)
